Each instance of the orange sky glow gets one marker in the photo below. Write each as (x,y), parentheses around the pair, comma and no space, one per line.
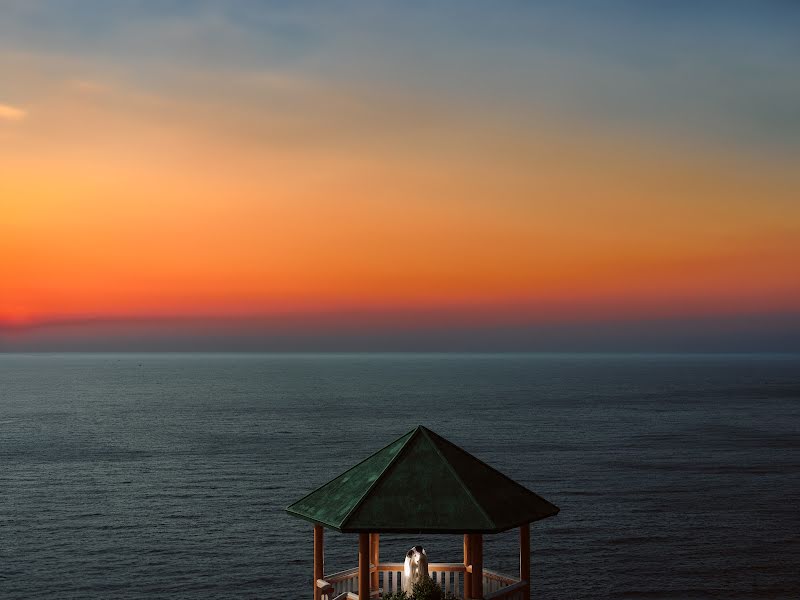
(233,194)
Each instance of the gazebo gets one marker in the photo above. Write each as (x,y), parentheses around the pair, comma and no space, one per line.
(422,483)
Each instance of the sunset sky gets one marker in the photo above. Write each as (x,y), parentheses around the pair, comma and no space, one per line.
(399,175)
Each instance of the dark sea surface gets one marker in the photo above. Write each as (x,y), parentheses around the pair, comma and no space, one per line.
(166,475)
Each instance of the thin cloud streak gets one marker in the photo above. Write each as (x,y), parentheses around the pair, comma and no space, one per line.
(728,333)
(11,113)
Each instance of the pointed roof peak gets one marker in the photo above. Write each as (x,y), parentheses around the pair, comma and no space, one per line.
(422,482)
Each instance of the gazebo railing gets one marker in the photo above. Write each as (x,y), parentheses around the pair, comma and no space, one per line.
(496,585)
(449,576)
(502,587)
(390,577)
(341,582)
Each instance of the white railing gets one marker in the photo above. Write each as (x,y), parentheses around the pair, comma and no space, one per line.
(449,576)
(341,582)
(497,583)
(515,591)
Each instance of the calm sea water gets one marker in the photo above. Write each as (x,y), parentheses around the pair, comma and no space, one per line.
(166,475)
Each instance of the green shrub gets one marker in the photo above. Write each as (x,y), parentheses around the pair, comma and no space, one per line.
(425,589)
(395,596)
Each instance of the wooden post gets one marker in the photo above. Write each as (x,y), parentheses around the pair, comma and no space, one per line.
(525,557)
(467,563)
(375,559)
(477,565)
(363,566)
(319,559)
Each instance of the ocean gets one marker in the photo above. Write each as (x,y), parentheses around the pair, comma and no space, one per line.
(167,475)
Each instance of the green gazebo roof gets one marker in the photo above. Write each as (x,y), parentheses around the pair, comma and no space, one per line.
(421,483)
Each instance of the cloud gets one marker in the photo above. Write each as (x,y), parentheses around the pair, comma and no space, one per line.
(11,113)
(87,86)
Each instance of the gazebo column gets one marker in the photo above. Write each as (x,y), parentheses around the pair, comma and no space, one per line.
(476,554)
(375,559)
(363,566)
(525,557)
(467,563)
(319,559)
